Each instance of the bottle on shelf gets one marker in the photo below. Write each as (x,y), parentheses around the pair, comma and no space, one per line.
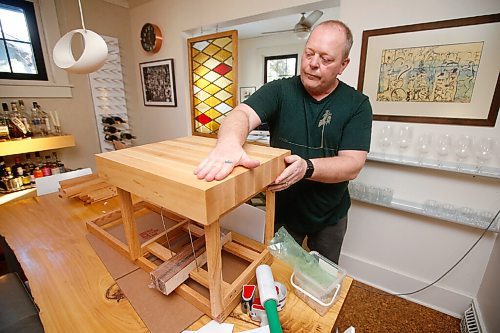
(16,119)
(25,118)
(14,132)
(29,167)
(58,163)
(47,167)
(108,120)
(110,129)
(119,120)
(36,122)
(126,136)
(111,137)
(3,185)
(45,122)
(4,127)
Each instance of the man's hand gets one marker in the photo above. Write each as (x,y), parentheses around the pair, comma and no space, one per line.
(295,170)
(222,160)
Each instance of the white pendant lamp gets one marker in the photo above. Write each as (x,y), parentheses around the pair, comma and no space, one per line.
(94,52)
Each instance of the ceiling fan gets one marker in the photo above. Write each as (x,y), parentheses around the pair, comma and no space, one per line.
(303,27)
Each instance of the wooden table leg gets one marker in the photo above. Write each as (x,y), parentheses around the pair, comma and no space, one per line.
(129,224)
(269,230)
(214,262)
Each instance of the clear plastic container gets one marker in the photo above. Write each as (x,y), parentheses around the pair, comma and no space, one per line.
(319,297)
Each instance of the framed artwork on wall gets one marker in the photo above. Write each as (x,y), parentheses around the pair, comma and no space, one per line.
(158,83)
(213,79)
(444,72)
(246,92)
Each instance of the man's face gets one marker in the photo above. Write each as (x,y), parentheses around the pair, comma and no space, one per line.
(322,60)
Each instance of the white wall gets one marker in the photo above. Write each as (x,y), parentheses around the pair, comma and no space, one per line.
(174,18)
(400,251)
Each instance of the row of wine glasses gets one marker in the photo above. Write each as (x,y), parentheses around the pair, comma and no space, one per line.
(443,145)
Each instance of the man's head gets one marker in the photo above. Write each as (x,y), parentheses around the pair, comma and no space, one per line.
(325,56)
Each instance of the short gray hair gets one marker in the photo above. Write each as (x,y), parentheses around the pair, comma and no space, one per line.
(347,31)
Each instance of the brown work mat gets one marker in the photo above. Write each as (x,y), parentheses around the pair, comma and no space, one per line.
(157,311)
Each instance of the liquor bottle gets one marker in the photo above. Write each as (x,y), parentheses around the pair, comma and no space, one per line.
(59,164)
(4,128)
(25,118)
(14,131)
(47,169)
(110,129)
(111,137)
(126,136)
(119,120)
(29,167)
(45,122)
(17,164)
(15,117)
(36,122)
(54,168)
(3,185)
(108,120)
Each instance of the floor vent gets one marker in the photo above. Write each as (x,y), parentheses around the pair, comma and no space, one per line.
(470,321)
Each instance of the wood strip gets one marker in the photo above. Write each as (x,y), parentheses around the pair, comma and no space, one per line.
(269,230)
(109,239)
(160,251)
(145,264)
(175,270)
(214,262)
(245,277)
(129,224)
(194,297)
(77,180)
(241,251)
(248,242)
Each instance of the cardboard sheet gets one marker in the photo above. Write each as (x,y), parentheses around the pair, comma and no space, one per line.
(157,310)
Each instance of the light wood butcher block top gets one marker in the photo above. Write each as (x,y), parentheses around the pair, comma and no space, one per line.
(162,173)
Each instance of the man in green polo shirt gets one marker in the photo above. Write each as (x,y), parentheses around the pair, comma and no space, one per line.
(327,126)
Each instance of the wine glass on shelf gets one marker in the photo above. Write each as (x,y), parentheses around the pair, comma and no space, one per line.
(443,146)
(385,138)
(423,146)
(404,136)
(483,150)
(462,150)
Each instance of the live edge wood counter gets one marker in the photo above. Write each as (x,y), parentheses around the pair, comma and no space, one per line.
(69,282)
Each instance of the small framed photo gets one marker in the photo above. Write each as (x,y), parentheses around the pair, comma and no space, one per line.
(246,92)
(158,83)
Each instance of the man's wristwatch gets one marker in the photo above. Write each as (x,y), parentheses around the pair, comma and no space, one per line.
(310,168)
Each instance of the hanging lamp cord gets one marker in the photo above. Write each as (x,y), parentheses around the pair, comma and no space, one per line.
(81,15)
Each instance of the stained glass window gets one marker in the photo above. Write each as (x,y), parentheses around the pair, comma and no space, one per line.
(213,79)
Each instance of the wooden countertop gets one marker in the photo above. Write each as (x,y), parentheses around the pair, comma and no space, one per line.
(68,280)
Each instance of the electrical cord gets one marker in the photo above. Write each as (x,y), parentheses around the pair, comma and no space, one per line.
(444,274)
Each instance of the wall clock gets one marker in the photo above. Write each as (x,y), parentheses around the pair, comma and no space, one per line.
(151,38)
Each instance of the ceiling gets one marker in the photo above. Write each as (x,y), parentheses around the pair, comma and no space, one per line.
(254,26)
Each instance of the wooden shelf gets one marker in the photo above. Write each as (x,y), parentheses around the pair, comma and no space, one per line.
(39,144)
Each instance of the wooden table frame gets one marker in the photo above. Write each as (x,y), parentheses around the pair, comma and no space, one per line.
(125,169)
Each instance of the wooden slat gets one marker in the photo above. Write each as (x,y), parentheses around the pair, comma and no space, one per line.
(77,180)
(214,263)
(269,230)
(248,242)
(241,251)
(160,251)
(129,224)
(109,239)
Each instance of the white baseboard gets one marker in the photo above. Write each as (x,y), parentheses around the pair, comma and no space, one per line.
(479,316)
(437,297)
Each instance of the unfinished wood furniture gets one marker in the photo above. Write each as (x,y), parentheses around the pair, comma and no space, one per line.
(162,175)
(48,236)
(89,189)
